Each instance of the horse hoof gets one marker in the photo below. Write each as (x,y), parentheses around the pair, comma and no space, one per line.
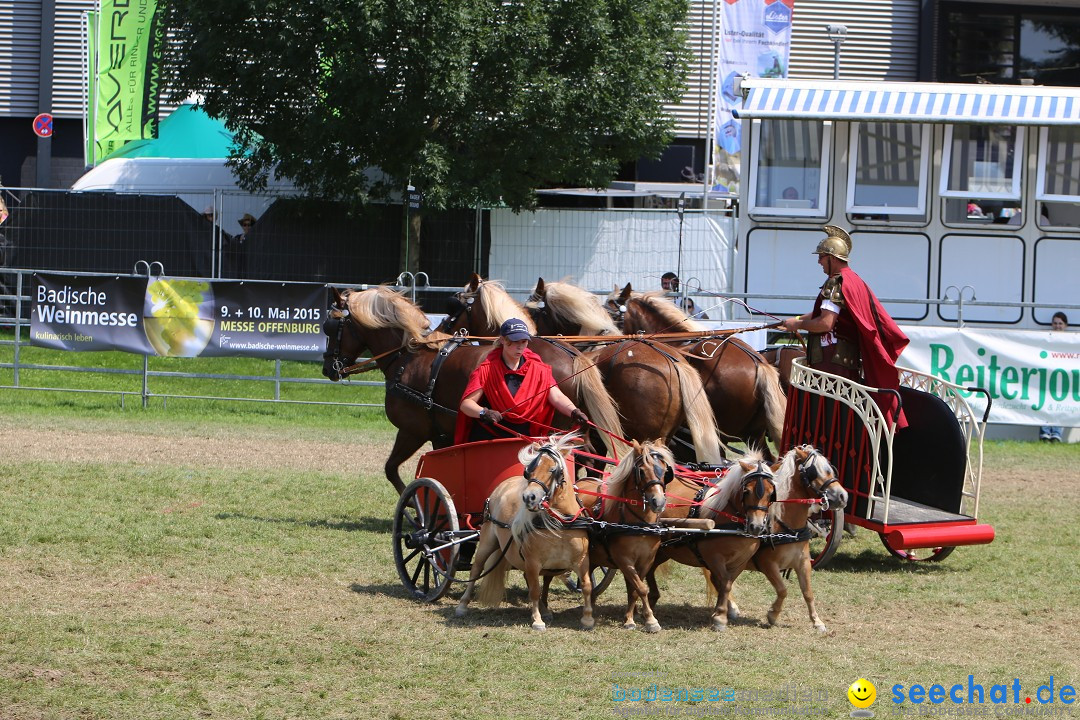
(460,612)
(629,626)
(821,628)
(588,625)
(539,627)
(548,616)
(732,614)
(718,626)
(772,619)
(652,628)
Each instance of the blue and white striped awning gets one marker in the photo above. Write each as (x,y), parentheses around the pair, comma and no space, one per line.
(909,102)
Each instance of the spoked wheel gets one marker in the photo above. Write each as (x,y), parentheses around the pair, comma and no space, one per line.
(934,554)
(601,578)
(827,528)
(425,523)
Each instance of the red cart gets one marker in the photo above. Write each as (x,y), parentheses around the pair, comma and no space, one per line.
(917,488)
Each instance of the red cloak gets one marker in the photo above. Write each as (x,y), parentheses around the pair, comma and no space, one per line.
(530,403)
(880,341)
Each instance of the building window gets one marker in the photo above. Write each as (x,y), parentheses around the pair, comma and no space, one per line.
(888,170)
(789,167)
(1007,43)
(1057,185)
(982,162)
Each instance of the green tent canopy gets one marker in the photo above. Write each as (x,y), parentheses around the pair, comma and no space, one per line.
(186,133)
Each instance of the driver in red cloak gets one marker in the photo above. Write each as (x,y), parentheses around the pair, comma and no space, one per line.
(514,388)
(851,335)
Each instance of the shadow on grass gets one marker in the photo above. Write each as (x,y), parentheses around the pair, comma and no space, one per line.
(879,562)
(376,525)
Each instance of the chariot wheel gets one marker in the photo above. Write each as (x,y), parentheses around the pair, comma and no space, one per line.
(933,554)
(425,525)
(827,528)
(601,577)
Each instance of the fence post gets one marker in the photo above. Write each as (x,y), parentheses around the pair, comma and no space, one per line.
(18,324)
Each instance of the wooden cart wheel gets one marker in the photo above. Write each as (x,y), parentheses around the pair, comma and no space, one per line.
(827,529)
(425,519)
(934,554)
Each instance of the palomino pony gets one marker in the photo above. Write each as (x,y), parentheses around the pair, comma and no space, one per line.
(740,502)
(527,528)
(817,482)
(426,375)
(634,495)
(655,391)
(743,387)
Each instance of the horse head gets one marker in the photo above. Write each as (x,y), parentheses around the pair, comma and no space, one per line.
(818,476)
(654,468)
(545,471)
(757,490)
(537,307)
(615,304)
(342,342)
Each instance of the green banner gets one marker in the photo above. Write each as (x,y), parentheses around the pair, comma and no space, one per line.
(89,151)
(128,73)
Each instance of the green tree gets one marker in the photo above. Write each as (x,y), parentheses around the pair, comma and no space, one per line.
(468,100)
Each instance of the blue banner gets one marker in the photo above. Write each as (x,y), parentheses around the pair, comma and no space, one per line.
(178,317)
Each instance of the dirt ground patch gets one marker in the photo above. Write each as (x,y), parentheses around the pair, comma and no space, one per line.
(225,448)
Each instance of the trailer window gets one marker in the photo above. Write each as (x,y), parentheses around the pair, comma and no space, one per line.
(1057,184)
(789,167)
(888,169)
(982,162)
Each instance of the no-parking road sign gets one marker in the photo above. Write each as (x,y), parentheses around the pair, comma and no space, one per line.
(43,126)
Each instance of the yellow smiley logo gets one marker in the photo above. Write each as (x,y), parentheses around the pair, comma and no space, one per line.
(862,693)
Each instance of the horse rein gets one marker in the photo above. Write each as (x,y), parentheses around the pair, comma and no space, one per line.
(338,363)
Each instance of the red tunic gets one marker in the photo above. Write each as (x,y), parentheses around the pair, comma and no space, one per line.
(880,339)
(530,403)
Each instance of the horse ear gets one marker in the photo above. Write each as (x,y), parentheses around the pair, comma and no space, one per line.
(747,465)
(625,294)
(474,282)
(540,290)
(801,452)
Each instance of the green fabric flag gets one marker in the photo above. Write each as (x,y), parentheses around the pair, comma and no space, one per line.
(128,77)
(91,90)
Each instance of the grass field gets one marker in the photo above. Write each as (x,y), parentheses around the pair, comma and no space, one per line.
(214,560)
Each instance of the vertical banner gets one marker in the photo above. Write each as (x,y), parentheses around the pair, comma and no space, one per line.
(178,317)
(91,88)
(128,66)
(755,40)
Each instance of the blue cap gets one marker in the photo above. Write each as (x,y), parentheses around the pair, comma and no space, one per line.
(514,329)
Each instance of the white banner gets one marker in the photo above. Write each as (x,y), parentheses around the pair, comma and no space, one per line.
(755,40)
(1033,376)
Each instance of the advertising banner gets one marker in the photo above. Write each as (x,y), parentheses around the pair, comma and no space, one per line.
(178,317)
(128,82)
(755,40)
(1033,376)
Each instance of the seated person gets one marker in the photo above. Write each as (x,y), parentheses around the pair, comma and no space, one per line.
(514,388)
(669,281)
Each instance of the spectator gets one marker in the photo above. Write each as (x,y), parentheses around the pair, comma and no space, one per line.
(1053,433)
(238,248)
(669,281)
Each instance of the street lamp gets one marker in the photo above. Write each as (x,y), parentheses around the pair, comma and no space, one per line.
(837,33)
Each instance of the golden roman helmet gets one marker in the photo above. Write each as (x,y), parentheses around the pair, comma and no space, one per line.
(837,244)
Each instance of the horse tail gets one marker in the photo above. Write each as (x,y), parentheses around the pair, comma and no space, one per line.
(603,412)
(770,391)
(699,413)
(493,587)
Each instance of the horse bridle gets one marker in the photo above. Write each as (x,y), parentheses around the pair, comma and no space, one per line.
(759,474)
(661,477)
(338,318)
(558,477)
(464,308)
(808,474)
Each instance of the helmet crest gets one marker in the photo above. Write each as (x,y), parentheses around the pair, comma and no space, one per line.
(837,244)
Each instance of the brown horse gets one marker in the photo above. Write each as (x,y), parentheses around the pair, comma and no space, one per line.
(632,496)
(426,375)
(817,481)
(740,505)
(744,388)
(656,392)
(527,529)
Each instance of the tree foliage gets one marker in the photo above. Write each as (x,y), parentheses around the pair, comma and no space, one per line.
(468,100)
